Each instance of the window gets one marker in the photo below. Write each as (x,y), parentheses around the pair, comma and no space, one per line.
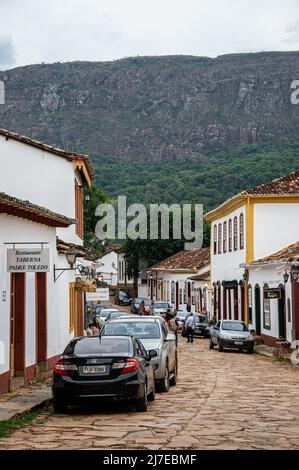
(235,233)
(267,311)
(289,310)
(250,303)
(219,238)
(79,210)
(172,292)
(224,237)
(241,228)
(230,230)
(215,239)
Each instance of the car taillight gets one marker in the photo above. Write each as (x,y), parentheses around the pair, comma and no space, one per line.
(61,368)
(130,365)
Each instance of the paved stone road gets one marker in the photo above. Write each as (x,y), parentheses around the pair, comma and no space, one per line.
(222,401)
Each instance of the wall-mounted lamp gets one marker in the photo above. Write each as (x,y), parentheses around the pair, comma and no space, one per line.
(286,277)
(245,276)
(71,259)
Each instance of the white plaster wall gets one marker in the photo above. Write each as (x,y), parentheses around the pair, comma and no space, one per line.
(30,321)
(40,177)
(225,266)
(107,268)
(14,229)
(275,227)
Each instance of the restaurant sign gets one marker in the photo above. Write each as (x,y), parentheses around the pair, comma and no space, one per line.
(100,295)
(28,260)
(272,293)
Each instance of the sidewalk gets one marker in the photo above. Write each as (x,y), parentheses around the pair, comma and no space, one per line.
(24,400)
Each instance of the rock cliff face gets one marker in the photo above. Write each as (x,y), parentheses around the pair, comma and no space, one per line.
(155,108)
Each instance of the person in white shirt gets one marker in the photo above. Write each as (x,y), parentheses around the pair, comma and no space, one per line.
(190,327)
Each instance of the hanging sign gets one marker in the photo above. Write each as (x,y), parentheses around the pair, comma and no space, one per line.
(99,295)
(28,260)
(272,293)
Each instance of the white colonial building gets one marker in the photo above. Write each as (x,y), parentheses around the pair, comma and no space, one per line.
(172,280)
(251,225)
(113,268)
(41,220)
(273,294)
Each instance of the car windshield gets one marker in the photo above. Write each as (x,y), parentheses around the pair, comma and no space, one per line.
(124,294)
(117,314)
(98,346)
(234,326)
(181,314)
(104,314)
(202,319)
(142,330)
(161,305)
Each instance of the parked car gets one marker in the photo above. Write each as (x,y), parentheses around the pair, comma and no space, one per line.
(147,306)
(122,298)
(160,307)
(104,313)
(117,367)
(232,334)
(201,325)
(180,318)
(154,333)
(112,315)
(135,305)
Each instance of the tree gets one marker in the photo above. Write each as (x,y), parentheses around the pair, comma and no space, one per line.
(93,196)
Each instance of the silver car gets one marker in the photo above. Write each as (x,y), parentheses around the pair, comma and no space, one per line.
(231,334)
(160,307)
(153,333)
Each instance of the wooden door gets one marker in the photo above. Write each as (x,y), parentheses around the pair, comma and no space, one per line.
(17,324)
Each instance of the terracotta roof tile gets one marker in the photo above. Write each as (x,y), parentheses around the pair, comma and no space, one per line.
(290,253)
(185,260)
(27,210)
(48,148)
(288,184)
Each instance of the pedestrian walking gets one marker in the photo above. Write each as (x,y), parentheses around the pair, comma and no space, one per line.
(190,327)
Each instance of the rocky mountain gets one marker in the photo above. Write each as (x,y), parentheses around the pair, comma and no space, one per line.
(156,108)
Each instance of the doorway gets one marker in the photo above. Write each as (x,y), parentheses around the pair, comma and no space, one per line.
(257,310)
(281,315)
(17,324)
(41,316)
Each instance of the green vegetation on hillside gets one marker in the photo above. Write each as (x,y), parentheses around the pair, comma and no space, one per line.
(209,181)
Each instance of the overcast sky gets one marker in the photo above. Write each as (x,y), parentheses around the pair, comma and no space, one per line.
(35,31)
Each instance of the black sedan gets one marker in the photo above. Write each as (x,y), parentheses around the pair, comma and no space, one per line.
(96,368)
(122,298)
(201,326)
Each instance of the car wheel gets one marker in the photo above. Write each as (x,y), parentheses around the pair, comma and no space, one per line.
(211,344)
(151,396)
(220,346)
(141,403)
(173,379)
(164,385)
(59,406)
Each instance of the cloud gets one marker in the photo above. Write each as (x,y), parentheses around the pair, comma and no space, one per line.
(7,51)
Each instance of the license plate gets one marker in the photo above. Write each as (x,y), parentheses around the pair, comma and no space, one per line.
(94,370)
(238,343)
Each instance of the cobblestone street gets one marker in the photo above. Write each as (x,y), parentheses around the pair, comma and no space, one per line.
(222,401)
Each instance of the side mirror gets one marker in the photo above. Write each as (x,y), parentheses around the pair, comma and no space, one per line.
(152,353)
(170,337)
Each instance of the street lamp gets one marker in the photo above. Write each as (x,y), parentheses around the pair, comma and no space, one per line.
(70,255)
